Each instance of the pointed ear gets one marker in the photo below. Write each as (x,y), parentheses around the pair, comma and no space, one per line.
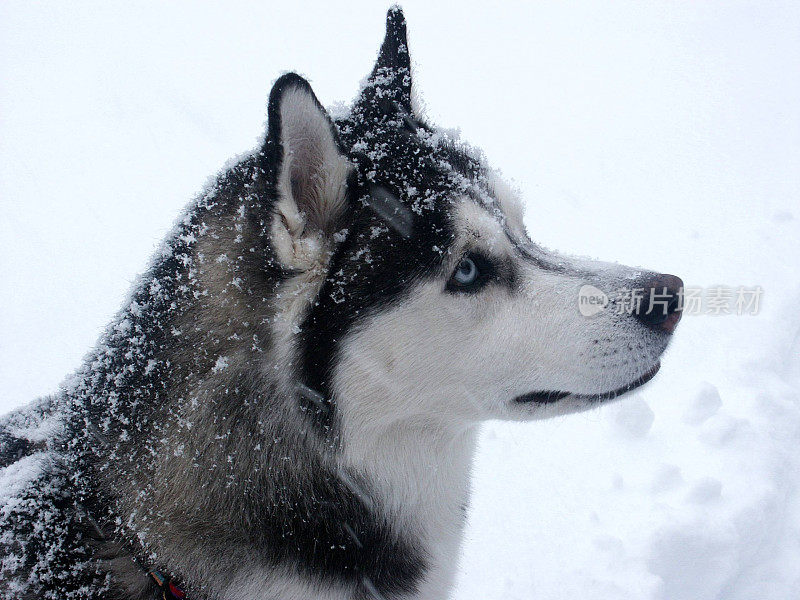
(311,176)
(391,76)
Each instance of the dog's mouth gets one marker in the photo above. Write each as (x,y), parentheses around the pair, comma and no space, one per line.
(548,397)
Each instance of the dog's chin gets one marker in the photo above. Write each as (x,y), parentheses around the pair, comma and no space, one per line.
(553,396)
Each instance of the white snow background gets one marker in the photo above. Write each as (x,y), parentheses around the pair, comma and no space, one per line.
(660,134)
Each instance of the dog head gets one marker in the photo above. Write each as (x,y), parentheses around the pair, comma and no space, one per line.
(424,297)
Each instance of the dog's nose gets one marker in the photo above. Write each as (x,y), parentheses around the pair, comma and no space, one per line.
(661,304)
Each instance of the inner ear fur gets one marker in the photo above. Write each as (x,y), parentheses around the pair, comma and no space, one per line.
(312,178)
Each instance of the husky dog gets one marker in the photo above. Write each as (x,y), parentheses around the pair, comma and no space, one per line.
(286,407)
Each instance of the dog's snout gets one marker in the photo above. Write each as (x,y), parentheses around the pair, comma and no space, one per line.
(661,303)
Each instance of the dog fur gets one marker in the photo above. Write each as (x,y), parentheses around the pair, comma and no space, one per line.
(286,408)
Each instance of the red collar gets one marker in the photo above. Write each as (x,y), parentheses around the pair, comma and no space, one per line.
(169,589)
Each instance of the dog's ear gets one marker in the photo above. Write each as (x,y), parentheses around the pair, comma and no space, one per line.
(311,177)
(391,77)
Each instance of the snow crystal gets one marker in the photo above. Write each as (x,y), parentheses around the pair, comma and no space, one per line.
(18,477)
(221,364)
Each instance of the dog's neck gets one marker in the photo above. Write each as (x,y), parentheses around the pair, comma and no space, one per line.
(420,472)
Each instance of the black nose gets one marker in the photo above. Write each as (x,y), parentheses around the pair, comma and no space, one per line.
(661,303)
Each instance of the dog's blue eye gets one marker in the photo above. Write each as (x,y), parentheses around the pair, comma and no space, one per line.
(471,274)
(466,272)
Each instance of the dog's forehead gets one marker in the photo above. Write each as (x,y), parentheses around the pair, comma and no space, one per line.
(490,211)
(474,220)
(430,172)
(391,147)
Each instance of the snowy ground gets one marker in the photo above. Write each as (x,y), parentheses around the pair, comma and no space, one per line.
(661,134)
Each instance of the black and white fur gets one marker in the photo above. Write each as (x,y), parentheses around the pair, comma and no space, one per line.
(287,406)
